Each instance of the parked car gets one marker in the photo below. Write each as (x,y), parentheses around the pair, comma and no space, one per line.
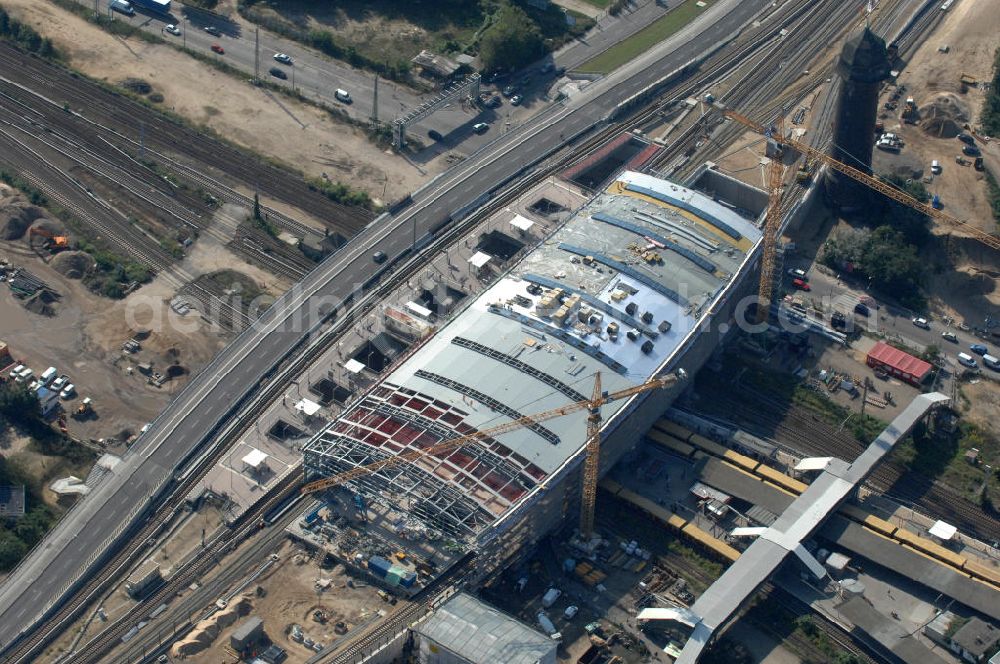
(966,138)
(218,49)
(343,95)
(979,349)
(509,91)
(480,127)
(861,309)
(949,336)
(172,29)
(68,391)
(16,371)
(59,383)
(278,72)
(516,100)
(284,58)
(496,101)
(922,323)
(24,376)
(796,273)
(212,30)
(801,284)
(971,150)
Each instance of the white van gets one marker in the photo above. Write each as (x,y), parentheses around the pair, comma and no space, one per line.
(935,167)
(122,6)
(342,95)
(992,362)
(967,360)
(48,376)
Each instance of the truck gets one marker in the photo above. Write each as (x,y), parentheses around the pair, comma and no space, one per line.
(157,6)
(548,627)
(122,7)
(550,597)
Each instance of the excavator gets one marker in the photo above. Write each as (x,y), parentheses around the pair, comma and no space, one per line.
(54,243)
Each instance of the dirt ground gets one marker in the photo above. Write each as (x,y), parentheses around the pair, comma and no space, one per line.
(83,339)
(290,597)
(298,134)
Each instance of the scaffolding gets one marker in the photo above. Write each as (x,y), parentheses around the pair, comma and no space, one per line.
(467,89)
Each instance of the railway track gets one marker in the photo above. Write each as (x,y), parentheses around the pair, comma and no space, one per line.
(121,559)
(114,115)
(792,426)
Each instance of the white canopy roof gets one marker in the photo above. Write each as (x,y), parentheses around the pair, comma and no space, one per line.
(752,531)
(814,463)
(354,366)
(521,223)
(480,259)
(255,458)
(307,407)
(943,530)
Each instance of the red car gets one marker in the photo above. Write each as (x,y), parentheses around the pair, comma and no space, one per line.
(218,49)
(801,285)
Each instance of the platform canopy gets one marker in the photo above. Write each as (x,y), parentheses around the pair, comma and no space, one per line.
(521,223)
(307,407)
(354,366)
(480,259)
(255,459)
(942,530)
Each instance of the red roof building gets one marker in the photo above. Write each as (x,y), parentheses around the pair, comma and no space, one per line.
(898,363)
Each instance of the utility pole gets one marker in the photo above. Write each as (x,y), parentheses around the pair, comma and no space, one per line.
(375,104)
(97,9)
(256,55)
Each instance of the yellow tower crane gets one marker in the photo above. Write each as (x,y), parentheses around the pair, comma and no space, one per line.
(872,182)
(591,464)
(772,223)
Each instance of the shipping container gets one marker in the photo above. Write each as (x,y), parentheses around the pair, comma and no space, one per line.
(550,597)
(379,566)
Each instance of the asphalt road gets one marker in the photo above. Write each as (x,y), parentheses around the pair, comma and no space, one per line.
(40,582)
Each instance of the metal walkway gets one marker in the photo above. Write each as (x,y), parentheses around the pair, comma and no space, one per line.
(802,518)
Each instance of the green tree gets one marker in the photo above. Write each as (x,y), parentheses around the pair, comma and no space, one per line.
(31,527)
(12,550)
(512,41)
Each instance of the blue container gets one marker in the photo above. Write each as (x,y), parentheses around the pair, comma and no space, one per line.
(378,566)
(408,580)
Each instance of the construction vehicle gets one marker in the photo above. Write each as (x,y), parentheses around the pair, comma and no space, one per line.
(873,183)
(591,462)
(54,243)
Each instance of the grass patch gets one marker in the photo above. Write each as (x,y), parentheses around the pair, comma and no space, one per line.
(645,39)
(993,193)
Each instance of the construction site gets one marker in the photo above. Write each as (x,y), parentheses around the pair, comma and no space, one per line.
(629,410)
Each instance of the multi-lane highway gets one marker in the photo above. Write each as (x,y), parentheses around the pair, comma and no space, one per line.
(38,585)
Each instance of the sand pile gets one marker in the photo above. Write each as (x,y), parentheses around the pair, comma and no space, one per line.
(944,117)
(72,264)
(16,214)
(41,303)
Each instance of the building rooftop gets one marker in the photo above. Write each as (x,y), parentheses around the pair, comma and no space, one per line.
(977,637)
(617,289)
(12,501)
(478,633)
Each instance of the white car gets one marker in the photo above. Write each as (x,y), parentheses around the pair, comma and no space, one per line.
(967,360)
(68,391)
(283,58)
(24,376)
(922,323)
(59,383)
(16,371)
(796,273)
(172,29)
(480,127)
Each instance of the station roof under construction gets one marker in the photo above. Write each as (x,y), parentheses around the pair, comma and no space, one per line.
(646,258)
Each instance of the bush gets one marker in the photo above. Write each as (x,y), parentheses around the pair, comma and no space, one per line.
(991,107)
(25,37)
(341,193)
(891,265)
